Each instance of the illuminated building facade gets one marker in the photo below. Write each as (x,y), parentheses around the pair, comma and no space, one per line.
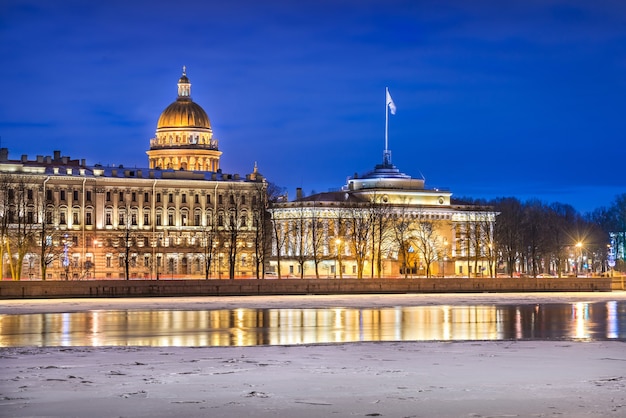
(183,217)
(382,224)
(180,217)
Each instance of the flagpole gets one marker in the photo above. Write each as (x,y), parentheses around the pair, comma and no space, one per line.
(386,126)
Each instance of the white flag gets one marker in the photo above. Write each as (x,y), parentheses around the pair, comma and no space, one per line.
(390,103)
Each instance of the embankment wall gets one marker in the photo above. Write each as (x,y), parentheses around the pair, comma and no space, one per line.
(171,288)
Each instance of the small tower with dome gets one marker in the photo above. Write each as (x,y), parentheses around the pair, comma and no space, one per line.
(184,138)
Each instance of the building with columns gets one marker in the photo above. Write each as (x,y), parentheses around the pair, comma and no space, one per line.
(382,224)
(182,216)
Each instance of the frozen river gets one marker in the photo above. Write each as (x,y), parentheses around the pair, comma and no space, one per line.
(247,326)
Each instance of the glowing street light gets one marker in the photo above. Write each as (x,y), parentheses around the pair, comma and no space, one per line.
(579,245)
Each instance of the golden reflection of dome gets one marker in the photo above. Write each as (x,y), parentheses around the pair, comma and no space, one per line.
(184,113)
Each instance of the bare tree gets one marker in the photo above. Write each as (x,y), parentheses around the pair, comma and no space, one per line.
(402,229)
(380,221)
(316,227)
(508,234)
(208,242)
(233,227)
(19,223)
(262,227)
(359,225)
(280,234)
(425,240)
(302,238)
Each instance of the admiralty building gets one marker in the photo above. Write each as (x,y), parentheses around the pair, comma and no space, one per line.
(183,217)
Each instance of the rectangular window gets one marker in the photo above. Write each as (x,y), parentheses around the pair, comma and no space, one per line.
(232,199)
(75,218)
(121,218)
(243,199)
(88,218)
(121,260)
(146,218)
(108,218)
(184,198)
(158,219)
(108,196)
(170,198)
(254,200)
(62,218)
(48,194)
(146,197)
(170,219)
(108,261)
(75,195)
(197,199)
(29,194)
(133,218)
(62,194)
(146,261)
(208,198)
(133,196)
(88,196)
(196,219)
(121,196)
(220,199)
(158,197)
(49,217)
(29,217)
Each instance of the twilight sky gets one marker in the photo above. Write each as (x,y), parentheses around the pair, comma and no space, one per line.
(523,98)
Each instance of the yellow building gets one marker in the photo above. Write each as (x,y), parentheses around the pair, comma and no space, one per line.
(382,224)
(183,217)
(180,217)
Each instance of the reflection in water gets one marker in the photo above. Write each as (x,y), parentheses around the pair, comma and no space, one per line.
(246,327)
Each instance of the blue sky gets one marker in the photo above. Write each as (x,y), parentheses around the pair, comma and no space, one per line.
(514,98)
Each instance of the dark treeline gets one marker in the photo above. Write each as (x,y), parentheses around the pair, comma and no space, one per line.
(534,237)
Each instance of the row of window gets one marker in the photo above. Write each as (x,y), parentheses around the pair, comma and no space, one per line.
(133,262)
(134,195)
(133,218)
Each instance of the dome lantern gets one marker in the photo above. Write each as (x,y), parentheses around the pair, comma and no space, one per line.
(184,86)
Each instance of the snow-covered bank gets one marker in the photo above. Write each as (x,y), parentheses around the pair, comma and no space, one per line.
(479,379)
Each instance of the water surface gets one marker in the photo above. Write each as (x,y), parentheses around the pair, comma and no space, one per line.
(248,327)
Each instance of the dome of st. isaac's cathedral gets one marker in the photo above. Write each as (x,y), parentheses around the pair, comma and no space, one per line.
(184,138)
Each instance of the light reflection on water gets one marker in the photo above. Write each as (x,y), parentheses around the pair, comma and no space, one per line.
(247,327)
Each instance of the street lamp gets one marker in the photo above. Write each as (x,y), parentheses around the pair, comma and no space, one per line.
(158,257)
(95,247)
(579,245)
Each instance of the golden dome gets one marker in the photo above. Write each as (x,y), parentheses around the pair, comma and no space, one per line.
(184,113)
